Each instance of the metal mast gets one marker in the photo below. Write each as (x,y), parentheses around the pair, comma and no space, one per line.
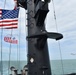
(38,56)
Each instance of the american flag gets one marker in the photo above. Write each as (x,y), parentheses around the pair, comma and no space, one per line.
(9,18)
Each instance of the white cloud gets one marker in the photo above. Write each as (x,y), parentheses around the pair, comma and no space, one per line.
(65,13)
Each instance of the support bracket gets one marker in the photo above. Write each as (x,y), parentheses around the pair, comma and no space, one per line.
(42,37)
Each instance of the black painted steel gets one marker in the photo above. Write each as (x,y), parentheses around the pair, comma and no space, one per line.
(50,35)
(22,3)
(38,56)
(41,11)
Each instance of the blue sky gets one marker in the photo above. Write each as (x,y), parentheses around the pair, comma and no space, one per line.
(65,14)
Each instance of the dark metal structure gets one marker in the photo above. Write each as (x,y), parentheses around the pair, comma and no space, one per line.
(38,56)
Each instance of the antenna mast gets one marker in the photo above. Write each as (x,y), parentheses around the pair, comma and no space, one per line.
(38,56)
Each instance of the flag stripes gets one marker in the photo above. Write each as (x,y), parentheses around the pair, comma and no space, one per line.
(8,23)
